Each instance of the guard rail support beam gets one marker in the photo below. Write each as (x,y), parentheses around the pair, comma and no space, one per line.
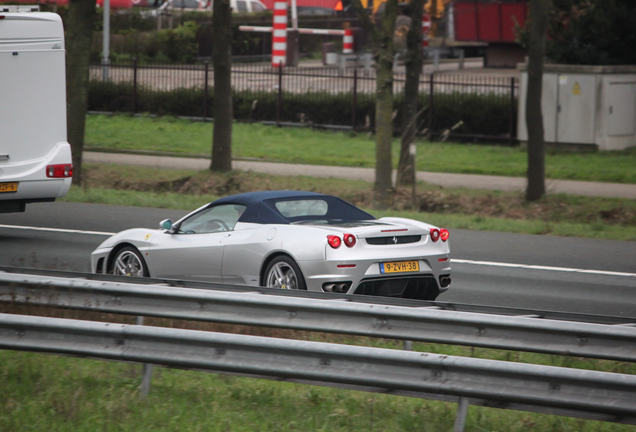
(332,316)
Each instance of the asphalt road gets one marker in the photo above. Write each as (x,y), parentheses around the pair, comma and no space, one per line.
(563,286)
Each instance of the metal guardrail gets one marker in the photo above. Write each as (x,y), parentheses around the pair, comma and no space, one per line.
(426,323)
(578,393)
(388,301)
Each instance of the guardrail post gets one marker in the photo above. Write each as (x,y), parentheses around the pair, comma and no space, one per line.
(460,418)
(408,345)
(146,372)
(205,90)
(134,96)
(355,99)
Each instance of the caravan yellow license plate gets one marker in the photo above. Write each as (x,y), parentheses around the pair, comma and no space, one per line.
(9,187)
(399,267)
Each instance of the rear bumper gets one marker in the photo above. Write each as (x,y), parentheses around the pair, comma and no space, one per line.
(365,278)
(409,287)
(33,184)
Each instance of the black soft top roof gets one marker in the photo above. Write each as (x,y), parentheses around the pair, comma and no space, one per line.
(260,207)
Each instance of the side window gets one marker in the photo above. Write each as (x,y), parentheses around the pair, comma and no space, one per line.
(211,220)
(241,6)
(257,7)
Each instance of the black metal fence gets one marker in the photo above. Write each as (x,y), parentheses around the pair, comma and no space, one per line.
(465,105)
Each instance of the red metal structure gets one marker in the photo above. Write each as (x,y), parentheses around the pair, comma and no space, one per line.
(494,22)
(489,21)
(331,4)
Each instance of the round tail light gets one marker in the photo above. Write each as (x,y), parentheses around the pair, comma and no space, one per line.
(349,240)
(444,234)
(434,234)
(334,241)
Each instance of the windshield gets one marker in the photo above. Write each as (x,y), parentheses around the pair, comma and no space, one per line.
(212,219)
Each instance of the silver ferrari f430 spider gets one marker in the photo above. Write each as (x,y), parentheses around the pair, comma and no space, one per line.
(289,240)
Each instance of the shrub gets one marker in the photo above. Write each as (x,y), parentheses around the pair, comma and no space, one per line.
(481,114)
(179,44)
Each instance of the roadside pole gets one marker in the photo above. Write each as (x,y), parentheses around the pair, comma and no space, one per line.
(106,41)
(294,15)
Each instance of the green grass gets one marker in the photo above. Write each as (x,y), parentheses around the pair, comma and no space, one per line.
(306,146)
(53,393)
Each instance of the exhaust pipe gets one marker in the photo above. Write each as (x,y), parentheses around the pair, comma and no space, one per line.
(444,281)
(341,288)
(337,287)
(328,287)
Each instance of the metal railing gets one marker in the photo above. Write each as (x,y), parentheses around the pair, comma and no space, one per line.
(317,96)
(426,323)
(544,389)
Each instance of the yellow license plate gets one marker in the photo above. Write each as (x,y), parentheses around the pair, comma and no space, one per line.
(399,267)
(9,187)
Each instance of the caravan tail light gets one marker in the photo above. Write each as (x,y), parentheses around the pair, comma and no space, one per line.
(59,170)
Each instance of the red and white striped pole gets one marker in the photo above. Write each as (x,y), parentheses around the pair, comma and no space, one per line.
(426,28)
(279,34)
(347,42)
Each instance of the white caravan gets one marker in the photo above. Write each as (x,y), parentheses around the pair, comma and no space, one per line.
(35,158)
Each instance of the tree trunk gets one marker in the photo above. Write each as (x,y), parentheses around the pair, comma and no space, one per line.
(383,189)
(539,10)
(79,31)
(413,63)
(222,110)
(382,41)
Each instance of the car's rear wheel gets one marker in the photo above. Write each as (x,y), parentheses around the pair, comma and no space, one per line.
(129,262)
(282,272)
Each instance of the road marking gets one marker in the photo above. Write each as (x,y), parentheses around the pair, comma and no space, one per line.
(453,260)
(57,230)
(536,267)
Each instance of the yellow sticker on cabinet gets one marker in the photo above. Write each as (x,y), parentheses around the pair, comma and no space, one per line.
(576,90)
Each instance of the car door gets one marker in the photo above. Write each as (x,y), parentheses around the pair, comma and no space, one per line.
(193,249)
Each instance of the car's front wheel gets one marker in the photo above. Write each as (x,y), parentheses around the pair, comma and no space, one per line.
(129,262)
(282,272)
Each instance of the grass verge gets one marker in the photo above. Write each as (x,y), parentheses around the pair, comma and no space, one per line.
(43,392)
(69,394)
(306,146)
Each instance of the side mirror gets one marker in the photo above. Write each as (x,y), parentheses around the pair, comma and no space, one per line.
(165,224)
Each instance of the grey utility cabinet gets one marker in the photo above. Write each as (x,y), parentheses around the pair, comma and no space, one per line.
(587,105)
